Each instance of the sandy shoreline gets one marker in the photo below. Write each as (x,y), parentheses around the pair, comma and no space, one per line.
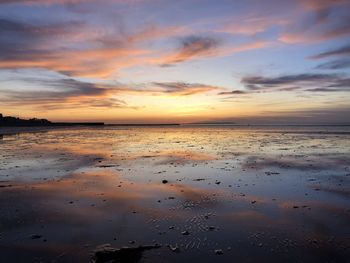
(174,195)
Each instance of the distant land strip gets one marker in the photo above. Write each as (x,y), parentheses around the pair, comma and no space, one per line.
(8,121)
(144,124)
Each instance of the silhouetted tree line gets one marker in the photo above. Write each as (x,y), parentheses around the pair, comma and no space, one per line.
(13,121)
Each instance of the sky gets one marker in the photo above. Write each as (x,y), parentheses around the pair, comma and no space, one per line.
(184,61)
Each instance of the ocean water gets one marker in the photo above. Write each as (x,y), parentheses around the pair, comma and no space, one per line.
(202,193)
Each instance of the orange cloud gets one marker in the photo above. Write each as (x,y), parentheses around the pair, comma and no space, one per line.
(51,2)
(252,25)
(312,36)
(322,4)
(54,47)
(192,47)
(323,27)
(206,50)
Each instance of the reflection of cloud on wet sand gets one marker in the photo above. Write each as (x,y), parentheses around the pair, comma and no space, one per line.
(99,194)
(178,157)
(339,190)
(250,217)
(296,162)
(183,157)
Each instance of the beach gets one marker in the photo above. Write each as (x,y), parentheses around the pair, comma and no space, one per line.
(204,193)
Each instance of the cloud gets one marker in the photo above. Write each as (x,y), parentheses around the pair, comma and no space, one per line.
(19,39)
(286,79)
(306,22)
(302,82)
(322,8)
(193,47)
(322,4)
(202,47)
(309,36)
(340,83)
(337,64)
(340,63)
(183,88)
(343,51)
(251,25)
(92,51)
(65,93)
(52,2)
(62,93)
(233,92)
(322,21)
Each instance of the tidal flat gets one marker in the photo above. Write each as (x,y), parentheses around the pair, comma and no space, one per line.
(175,194)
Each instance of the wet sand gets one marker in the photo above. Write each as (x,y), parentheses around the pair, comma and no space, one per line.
(200,194)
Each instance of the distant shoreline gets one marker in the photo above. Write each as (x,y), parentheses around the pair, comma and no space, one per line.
(144,124)
(9,121)
(264,125)
(15,130)
(12,130)
(51,124)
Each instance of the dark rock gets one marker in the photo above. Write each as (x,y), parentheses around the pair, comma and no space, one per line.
(218,252)
(8,185)
(211,228)
(105,253)
(35,236)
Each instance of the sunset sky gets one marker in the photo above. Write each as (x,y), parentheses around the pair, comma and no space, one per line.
(158,61)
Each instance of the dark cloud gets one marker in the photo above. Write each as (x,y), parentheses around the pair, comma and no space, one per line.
(17,27)
(185,89)
(340,83)
(65,88)
(20,41)
(192,47)
(337,64)
(322,6)
(89,103)
(325,89)
(301,82)
(342,62)
(253,82)
(324,21)
(340,29)
(59,93)
(42,2)
(233,92)
(196,45)
(65,2)
(92,49)
(343,51)
(62,93)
